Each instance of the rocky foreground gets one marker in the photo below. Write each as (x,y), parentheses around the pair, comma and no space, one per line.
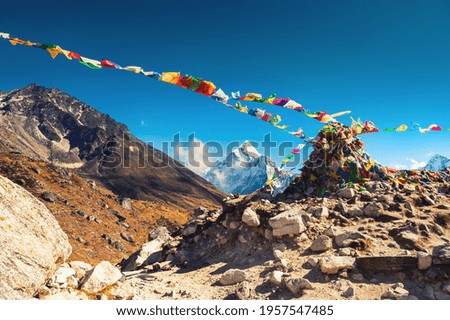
(381,243)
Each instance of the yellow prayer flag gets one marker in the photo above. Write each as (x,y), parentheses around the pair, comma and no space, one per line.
(402,128)
(170,77)
(54,51)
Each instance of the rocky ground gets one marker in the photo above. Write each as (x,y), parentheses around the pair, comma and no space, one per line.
(381,243)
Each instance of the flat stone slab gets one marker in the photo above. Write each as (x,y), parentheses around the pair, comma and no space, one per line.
(386,263)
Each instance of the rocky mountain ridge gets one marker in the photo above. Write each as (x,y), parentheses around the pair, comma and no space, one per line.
(46,124)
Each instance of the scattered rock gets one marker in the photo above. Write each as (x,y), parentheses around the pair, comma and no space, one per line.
(424,260)
(297,285)
(355,212)
(408,239)
(342,208)
(332,264)
(127,237)
(276,277)
(233,276)
(347,193)
(250,218)
(48,196)
(244,291)
(348,238)
(373,209)
(313,261)
(102,276)
(287,223)
(441,254)
(331,232)
(321,213)
(365,196)
(126,204)
(321,244)
(350,292)
(189,229)
(60,277)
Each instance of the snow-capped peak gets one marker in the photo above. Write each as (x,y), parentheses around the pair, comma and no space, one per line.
(245,170)
(437,163)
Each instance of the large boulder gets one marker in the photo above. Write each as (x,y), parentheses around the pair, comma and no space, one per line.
(150,252)
(287,223)
(32,243)
(102,276)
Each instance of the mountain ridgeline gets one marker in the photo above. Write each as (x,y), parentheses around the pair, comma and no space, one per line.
(49,125)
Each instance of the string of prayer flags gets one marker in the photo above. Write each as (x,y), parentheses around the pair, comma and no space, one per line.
(286,159)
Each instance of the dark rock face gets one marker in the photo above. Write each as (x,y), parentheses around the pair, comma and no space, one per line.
(49,125)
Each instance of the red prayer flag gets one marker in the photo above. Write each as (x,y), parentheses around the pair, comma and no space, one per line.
(74,55)
(108,64)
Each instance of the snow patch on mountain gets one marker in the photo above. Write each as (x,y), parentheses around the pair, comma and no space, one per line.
(245,170)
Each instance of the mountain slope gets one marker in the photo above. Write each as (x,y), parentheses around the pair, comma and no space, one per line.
(52,126)
(245,170)
(437,163)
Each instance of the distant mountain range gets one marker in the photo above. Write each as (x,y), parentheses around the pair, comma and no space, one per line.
(437,163)
(49,125)
(245,170)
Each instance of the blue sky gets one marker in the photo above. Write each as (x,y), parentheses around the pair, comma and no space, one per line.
(386,61)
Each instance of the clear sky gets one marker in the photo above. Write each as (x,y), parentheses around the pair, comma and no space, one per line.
(387,61)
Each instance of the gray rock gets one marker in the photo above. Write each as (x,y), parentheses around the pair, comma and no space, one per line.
(244,291)
(160,233)
(350,292)
(189,229)
(424,260)
(342,208)
(102,276)
(332,264)
(276,277)
(150,252)
(441,254)
(346,238)
(321,244)
(347,193)
(127,237)
(250,218)
(48,196)
(313,261)
(126,204)
(321,213)
(373,209)
(297,285)
(408,239)
(366,196)
(31,241)
(233,276)
(287,223)
(331,232)
(355,212)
